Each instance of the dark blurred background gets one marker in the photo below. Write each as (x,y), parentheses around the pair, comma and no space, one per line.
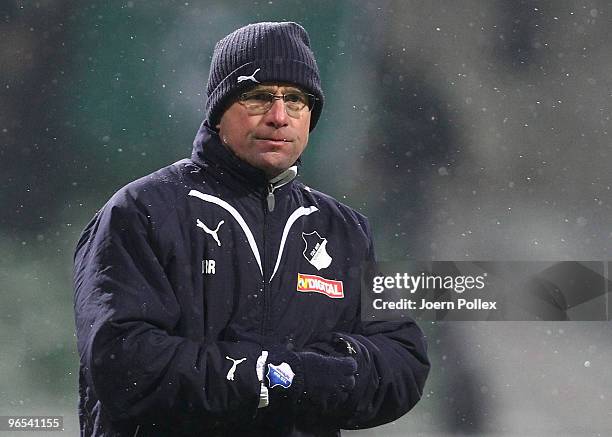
(472,130)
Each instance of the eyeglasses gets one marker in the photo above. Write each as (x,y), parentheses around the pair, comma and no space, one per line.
(259,102)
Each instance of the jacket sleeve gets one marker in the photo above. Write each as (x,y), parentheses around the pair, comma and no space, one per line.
(392,366)
(127,316)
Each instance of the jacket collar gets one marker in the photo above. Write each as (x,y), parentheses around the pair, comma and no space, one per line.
(208,152)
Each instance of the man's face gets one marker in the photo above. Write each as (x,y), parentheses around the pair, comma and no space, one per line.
(271,141)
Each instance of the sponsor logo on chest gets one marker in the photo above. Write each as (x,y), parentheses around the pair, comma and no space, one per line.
(317,284)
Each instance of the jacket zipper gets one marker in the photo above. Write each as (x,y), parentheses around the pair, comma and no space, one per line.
(270,200)
(268,208)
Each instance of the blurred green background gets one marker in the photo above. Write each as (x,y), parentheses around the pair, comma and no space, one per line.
(473,130)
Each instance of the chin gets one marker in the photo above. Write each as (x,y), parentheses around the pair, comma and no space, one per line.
(274,166)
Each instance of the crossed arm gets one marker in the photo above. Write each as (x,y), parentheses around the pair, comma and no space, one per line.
(126,311)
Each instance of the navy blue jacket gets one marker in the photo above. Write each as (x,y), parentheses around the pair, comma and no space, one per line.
(193,265)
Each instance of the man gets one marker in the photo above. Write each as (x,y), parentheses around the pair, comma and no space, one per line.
(220,296)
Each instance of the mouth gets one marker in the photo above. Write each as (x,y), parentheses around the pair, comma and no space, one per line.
(278,142)
(275,139)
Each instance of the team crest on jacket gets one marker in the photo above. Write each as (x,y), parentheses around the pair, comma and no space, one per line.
(280,375)
(315,251)
(316,284)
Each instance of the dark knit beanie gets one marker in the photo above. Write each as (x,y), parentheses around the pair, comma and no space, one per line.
(259,53)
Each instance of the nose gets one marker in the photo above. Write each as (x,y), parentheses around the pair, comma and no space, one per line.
(277,115)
